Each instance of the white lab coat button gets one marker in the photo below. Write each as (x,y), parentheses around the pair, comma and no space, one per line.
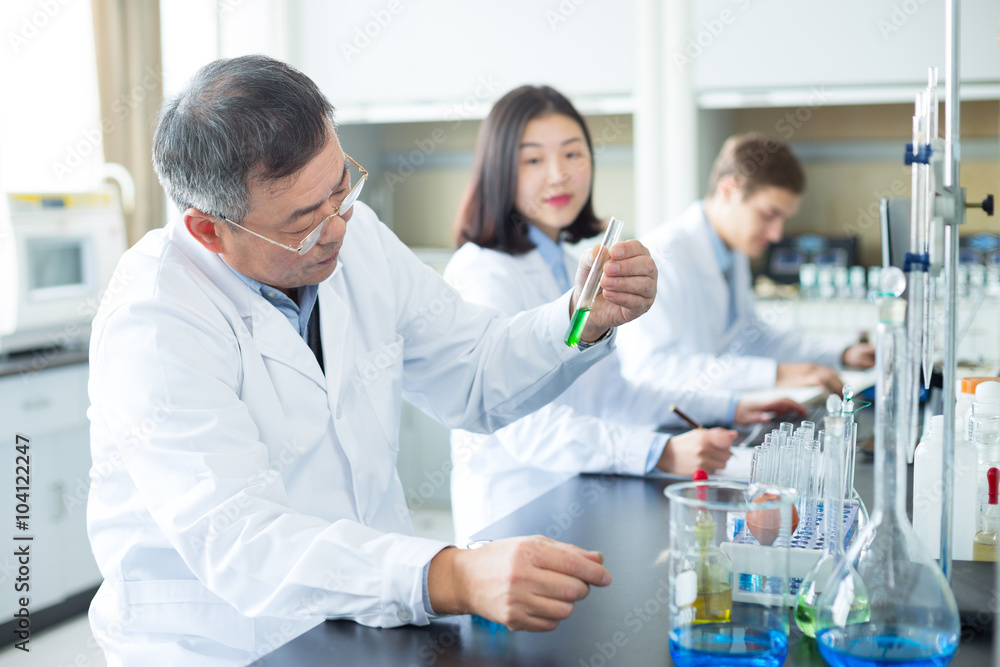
(405,616)
(338,411)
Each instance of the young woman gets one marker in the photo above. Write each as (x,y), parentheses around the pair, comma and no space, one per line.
(530,192)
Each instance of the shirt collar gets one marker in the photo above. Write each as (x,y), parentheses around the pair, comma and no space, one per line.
(552,253)
(297,313)
(723,255)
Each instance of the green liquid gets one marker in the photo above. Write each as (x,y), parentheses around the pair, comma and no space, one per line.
(806,616)
(576,326)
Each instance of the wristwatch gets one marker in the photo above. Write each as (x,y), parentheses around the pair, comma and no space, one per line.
(583,345)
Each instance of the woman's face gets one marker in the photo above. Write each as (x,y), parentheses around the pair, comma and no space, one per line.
(553,173)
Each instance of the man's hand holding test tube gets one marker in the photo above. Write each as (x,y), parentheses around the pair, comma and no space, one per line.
(615,283)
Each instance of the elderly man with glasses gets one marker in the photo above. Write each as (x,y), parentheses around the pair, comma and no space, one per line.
(246,383)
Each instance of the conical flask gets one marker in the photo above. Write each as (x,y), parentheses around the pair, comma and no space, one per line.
(834,457)
(913,617)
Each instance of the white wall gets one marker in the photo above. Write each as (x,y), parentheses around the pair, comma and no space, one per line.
(51,129)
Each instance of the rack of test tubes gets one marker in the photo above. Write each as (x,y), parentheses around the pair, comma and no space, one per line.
(792,457)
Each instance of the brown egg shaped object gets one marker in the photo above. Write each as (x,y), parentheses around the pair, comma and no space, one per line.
(765,524)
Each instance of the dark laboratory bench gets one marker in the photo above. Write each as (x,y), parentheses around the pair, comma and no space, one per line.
(623,624)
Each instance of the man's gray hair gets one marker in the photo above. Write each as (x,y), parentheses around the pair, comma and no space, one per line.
(239,120)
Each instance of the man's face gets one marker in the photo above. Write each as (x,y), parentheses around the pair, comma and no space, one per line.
(287,211)
(750,224)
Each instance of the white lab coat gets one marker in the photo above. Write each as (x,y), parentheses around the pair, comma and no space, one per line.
(600,424)
(685,334)
(239,495)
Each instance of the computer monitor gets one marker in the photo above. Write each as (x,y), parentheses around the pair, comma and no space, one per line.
(894,219)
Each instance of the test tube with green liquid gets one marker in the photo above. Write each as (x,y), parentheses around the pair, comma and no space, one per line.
(593,283)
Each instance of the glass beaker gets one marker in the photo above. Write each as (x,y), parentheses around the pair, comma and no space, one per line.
(728,573)
(913,618)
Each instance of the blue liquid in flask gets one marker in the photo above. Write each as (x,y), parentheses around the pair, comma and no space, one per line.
(715,644)
(906,647)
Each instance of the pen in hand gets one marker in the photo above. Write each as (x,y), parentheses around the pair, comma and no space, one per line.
(680,413)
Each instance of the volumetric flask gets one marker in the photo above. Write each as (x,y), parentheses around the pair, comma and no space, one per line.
(912,617)
(728,573)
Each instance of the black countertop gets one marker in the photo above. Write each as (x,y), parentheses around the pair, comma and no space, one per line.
(624,624)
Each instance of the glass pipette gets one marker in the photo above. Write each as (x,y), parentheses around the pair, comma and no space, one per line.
(593,282)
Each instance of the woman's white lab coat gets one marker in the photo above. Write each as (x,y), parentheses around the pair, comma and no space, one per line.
(239,495)
(600,424)
(686,334)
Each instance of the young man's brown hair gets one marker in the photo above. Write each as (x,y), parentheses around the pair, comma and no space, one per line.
(756,162)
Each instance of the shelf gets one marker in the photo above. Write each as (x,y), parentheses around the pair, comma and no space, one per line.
(816,96)
(455,111)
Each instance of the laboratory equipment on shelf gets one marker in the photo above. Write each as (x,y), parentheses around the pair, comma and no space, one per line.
(984,545)
(729,592)
(913,618)
(592,285)
(927,472)
(58,253)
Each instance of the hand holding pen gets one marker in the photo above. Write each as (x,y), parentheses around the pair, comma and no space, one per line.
(703,448)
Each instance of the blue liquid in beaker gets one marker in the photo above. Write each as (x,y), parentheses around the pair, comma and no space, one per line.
(715,644)
(900,647)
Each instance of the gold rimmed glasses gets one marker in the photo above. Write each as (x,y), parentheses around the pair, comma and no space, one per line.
(310,240)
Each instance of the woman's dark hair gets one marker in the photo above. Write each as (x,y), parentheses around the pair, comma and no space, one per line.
(486,215)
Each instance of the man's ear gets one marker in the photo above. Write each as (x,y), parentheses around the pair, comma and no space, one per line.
(205,229)
(726,188)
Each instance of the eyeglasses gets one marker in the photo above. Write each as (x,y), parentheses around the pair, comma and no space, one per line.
(309,241)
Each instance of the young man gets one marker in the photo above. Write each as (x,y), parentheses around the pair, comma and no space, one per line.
(703,330)
(245,388)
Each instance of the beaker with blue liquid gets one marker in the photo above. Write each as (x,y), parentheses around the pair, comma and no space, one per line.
(716,619)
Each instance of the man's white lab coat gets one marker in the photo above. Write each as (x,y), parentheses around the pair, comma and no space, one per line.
(601,424)
(239,495)
(686,334)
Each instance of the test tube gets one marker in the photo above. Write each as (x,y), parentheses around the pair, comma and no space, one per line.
(850,441)
(593,282)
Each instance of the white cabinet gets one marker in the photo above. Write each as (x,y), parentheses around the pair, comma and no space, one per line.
(49,407)
(370,56)
(760,50)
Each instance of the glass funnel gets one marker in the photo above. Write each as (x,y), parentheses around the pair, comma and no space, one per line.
(913,618)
